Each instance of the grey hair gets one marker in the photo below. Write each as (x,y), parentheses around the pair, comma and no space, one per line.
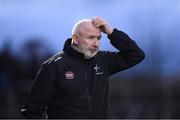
(78,25)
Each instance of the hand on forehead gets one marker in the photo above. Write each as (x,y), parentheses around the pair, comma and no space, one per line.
(97,21)
(89,26)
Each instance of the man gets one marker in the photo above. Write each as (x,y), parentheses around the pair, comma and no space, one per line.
(74,83)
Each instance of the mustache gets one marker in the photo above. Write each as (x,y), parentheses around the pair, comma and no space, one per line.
(94,49)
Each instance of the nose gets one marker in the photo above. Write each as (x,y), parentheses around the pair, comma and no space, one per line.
(96,43)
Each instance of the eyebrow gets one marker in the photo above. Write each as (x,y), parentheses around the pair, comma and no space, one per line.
(99,36)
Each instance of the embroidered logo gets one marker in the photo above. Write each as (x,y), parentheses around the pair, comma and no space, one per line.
(69,75)
(96,68)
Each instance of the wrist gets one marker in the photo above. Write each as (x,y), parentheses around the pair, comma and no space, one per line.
(109,32)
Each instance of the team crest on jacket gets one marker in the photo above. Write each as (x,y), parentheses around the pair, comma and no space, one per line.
(69,75)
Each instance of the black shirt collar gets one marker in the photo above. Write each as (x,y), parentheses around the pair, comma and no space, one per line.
(71,51)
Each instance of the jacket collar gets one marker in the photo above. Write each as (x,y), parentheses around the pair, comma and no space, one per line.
(71,51)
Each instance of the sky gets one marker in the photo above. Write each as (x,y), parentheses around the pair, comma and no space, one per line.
(154,24)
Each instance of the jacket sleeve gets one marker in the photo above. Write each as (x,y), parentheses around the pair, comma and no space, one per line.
(40,94)
(129,53)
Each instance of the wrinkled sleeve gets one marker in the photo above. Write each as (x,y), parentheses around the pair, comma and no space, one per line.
(128,55)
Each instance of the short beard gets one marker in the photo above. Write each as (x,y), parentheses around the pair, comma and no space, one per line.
(87,53)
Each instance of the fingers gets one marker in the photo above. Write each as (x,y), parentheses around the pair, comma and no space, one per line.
(102,24)
(98,22)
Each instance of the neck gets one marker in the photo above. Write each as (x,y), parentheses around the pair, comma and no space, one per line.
(76,48)
(80,51)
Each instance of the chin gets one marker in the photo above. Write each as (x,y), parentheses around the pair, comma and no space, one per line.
(90,55)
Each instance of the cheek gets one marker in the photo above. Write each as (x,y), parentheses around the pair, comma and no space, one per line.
(86,43)
(83,44)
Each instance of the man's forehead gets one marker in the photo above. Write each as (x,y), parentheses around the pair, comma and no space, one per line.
(89,28)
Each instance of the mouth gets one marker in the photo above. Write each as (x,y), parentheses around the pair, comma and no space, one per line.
(93,50)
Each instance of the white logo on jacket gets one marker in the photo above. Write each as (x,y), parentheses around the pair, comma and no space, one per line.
(96,68)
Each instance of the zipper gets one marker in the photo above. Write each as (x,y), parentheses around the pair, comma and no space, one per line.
(87,91)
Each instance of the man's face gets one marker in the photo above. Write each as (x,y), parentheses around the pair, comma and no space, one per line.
(89,40)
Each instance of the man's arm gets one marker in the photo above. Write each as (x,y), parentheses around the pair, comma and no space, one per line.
(129,53)
(40,93)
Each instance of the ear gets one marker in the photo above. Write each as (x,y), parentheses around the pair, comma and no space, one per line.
(74,39)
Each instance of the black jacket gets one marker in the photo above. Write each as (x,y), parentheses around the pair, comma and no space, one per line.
(69,86)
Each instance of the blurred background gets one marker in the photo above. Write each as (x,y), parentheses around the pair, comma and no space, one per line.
(33,30)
